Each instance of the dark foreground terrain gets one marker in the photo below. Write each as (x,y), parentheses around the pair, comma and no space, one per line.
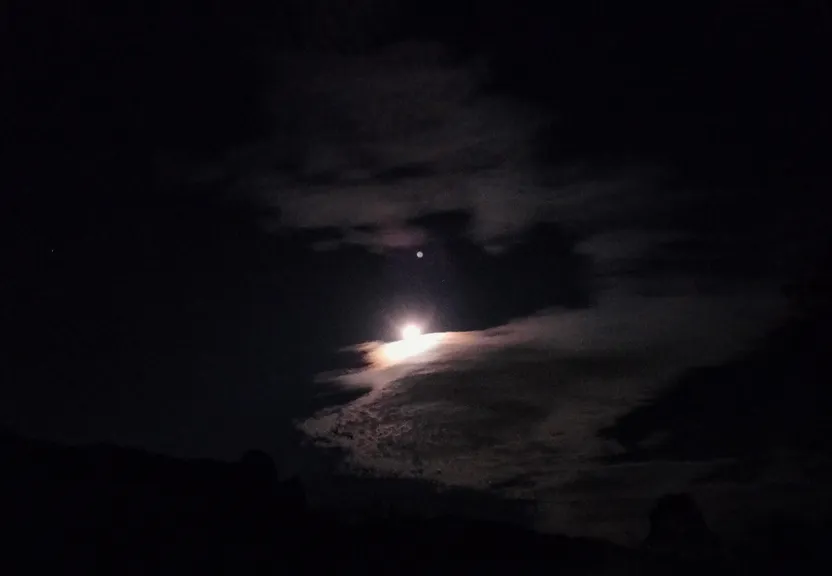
(103,509)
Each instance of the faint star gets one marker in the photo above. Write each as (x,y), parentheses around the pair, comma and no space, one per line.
(419,254)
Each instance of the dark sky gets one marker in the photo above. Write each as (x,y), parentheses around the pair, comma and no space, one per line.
(205,201)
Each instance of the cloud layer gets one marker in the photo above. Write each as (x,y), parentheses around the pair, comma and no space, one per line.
(364,145)
(517,409)
(384,138)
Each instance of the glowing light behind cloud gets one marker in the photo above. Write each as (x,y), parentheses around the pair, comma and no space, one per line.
(528,400)
(410,332)
(412,345)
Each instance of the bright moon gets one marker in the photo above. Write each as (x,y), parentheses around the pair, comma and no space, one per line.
(419,254)
(413,345)
(410,332)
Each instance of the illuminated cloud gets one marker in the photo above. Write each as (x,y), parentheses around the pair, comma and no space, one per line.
(517,409)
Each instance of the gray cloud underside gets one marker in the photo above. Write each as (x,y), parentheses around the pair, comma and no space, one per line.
(385,138)
(381,139)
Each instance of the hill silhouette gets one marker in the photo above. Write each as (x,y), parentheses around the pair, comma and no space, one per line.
(108,509)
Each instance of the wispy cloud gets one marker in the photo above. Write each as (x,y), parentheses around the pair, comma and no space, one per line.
(384,138)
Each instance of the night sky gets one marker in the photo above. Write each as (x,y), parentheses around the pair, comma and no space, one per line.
(211,214)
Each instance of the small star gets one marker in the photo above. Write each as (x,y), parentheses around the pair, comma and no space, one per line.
(419,254)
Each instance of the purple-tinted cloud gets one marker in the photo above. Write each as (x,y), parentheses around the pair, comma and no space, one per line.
(365,144)
(381,139)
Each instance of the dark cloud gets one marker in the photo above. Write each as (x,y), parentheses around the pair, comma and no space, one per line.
(449,223)
(373,142)
(384,138)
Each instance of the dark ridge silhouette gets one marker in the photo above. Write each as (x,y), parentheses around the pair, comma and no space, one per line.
(129,511)
(124,511)
(680,537)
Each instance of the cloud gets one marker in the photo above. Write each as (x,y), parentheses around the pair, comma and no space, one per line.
(503,203)
(384,138)
(381,139)
(517,409)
